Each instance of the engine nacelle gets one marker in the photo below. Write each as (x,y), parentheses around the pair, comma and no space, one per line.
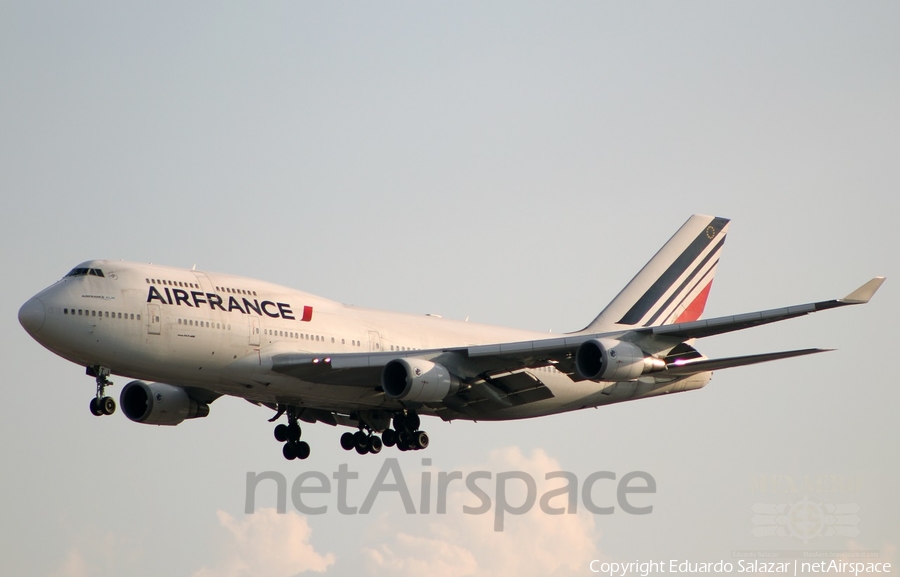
(417,380)
(159,404)
(612,360)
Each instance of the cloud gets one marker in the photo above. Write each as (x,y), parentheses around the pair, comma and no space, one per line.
(456,544)
(267,543)
(97,553)
(73,566)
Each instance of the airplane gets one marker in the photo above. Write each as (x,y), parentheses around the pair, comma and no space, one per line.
(187,337)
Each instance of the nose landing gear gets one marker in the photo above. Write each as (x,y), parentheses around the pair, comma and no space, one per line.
(101,404)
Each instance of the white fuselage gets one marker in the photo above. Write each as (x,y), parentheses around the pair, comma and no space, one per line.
(219,332)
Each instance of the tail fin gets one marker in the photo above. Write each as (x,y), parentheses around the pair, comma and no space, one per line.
(674,285)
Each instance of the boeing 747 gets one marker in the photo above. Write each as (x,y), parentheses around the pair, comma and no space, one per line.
(187,337)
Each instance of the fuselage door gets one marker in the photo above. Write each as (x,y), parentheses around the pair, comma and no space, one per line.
(254,330)
(153,320)
(374,342)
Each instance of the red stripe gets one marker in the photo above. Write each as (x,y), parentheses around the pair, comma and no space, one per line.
(695,309)
(307,314)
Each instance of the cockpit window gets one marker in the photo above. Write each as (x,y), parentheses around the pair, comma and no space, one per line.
(85,272)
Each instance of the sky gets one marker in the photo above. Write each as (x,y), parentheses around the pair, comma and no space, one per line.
(514,163)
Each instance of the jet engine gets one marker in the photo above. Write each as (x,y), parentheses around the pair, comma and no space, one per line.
(612,360)
(417,380)
(159,404)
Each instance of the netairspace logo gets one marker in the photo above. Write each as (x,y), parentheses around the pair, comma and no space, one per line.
(492,491)
(804,518)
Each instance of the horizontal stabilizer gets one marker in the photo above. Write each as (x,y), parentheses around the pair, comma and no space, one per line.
(685,368)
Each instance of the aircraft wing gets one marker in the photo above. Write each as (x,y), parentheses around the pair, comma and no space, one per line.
(687,368)
(477,363)
(720,325)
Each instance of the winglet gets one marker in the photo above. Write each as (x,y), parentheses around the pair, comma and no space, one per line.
(862,295)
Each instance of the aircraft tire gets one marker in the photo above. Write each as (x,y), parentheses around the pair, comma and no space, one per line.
(389,437)
(281,433)
(95,407)
(289,451)
(348,441)
(293,432)
(108,405)
(361,441)
(302,450)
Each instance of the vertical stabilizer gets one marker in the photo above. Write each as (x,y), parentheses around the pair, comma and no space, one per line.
(674,285)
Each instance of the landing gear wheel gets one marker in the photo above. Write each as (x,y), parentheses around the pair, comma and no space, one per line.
(413,422)
(96,410)
(293,432)
(301,449)
(101,404)
(281,433)
(403,446)
(289,451)
(420,440)
(362,442)
(374,445)
(348,441)
(403,439)
(108,405)
(389,437)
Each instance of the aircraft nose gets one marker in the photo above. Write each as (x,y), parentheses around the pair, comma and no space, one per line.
(31,315)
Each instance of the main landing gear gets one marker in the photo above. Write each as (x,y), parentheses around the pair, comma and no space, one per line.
(289,434)
(101,404)
(405,435)
(361,441)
